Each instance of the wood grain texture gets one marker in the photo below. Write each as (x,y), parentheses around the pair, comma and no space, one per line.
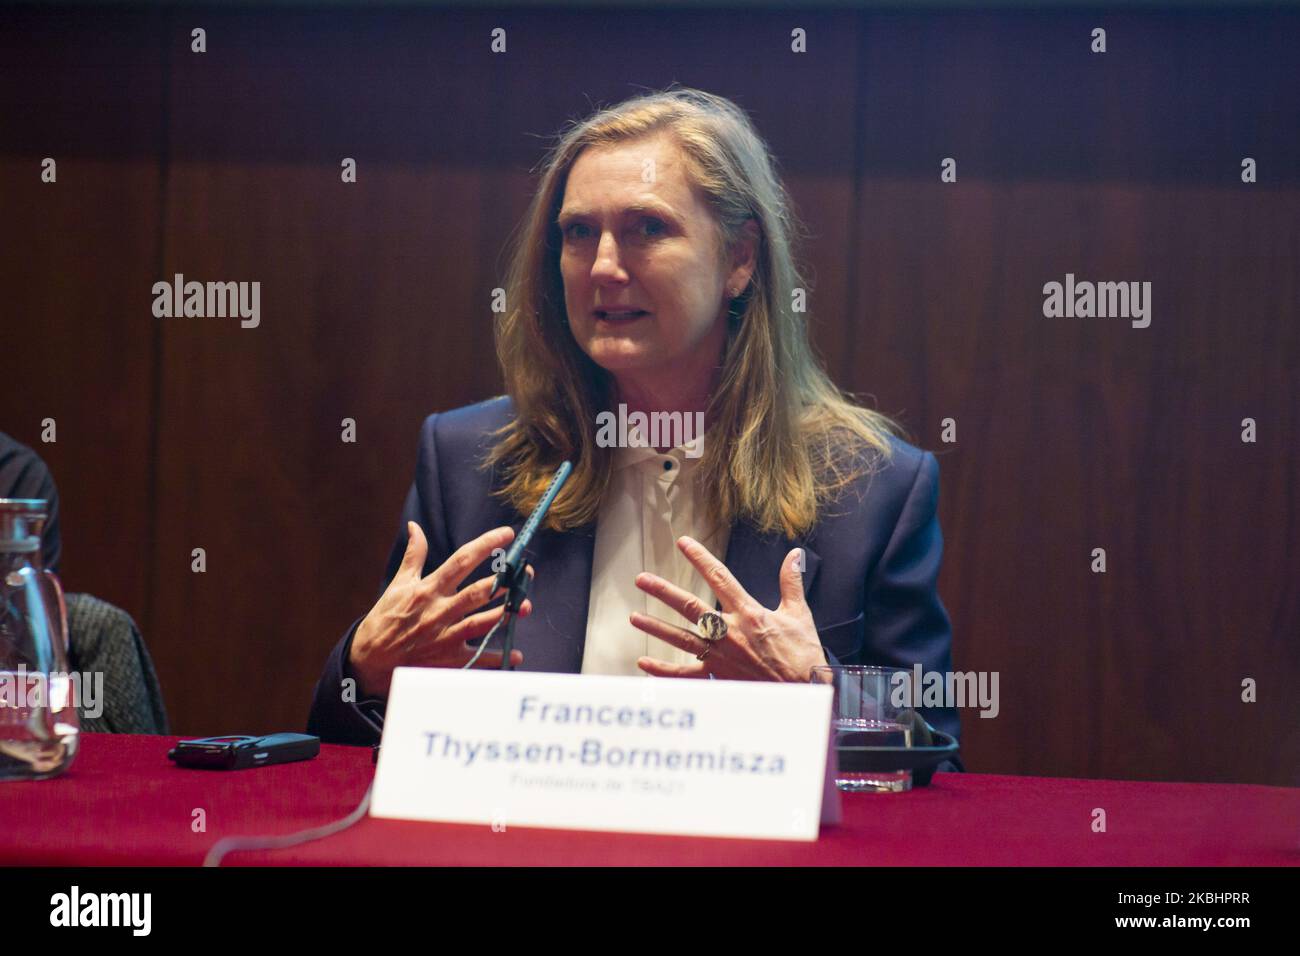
(1072,434)
(76,260)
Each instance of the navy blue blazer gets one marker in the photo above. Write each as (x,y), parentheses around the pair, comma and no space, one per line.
(871,564)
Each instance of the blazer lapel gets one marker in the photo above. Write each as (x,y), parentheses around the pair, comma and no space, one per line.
(552,637)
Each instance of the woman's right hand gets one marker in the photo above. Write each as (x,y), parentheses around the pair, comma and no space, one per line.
(424,621)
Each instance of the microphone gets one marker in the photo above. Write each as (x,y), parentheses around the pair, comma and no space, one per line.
(515,556)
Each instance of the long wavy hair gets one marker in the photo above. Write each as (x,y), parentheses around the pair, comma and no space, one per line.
(782,440)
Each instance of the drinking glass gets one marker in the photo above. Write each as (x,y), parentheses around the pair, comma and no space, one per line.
(865,713)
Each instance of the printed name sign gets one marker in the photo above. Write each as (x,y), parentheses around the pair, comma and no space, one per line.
(581,752)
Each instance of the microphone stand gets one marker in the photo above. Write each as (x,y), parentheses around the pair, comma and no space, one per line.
(516,592)
(514,576)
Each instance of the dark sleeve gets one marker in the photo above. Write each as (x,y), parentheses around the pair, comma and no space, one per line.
(24,475)
(906,621)
(337,716)
(105,642)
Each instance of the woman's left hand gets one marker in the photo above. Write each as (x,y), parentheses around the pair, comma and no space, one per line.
(759,644)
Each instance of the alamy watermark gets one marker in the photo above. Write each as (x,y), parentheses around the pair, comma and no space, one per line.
(209,300)
(1086,300)
(23,689)
(920,688)
(653,430)
(133,911)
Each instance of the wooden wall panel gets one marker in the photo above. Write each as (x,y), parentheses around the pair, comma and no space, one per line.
(1072,433)
(1077,433)
(77,258)
(375,307)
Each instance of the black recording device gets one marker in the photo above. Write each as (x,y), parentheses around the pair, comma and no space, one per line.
(242,752)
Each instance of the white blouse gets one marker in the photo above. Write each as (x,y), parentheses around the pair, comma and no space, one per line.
(653,500)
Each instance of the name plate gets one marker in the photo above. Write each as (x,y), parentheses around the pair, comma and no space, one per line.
(583,752)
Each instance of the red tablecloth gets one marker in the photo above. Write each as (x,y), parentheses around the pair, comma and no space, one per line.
(124,803)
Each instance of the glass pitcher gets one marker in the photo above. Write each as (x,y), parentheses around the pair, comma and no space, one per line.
(38,715)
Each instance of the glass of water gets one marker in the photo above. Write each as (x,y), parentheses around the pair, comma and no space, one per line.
(868,711)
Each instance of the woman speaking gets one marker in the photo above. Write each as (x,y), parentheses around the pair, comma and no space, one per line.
(653,281)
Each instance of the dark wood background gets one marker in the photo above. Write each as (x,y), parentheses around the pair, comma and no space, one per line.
(1072,433)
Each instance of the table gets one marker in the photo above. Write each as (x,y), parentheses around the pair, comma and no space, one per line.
(123,803)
